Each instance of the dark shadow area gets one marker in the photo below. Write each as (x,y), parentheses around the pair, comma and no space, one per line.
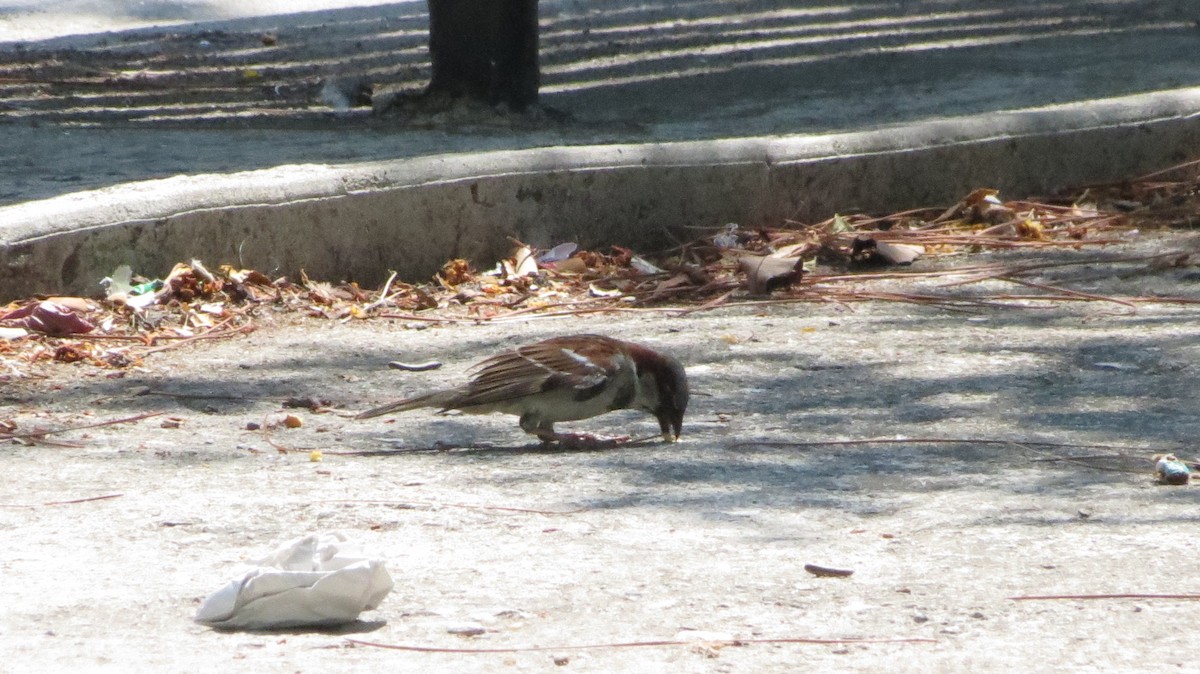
(1016,376)
(252,93)
(356,627)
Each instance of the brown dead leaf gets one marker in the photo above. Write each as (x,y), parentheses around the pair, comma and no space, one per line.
(1031,229)
(676,281)
(981,196)
(898,253)
(309,403)
(250,276)
(972,206)
(424,299)
(866,251)
(76,304)
(455,273)
(766,273)
(187,283)
(48,317)
(283,420)
(571,265)
(71,353)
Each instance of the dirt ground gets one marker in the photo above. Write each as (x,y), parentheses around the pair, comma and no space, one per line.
(708,537)
(704,540)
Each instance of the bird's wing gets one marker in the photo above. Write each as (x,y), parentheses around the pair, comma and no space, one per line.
(581,364)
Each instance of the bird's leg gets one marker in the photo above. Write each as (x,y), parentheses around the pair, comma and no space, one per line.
(545,432)
(587,440)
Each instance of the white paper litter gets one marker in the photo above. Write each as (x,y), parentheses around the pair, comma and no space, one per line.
(317,580)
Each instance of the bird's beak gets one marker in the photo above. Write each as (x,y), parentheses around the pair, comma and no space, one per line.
(671,427)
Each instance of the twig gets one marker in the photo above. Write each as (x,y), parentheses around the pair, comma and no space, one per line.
(383,294)
(211,333)
(45,442)
(471,506)
(1156,299)
(1082,461)
(1065,291)
(83,500)
(98,424)
(1011,270)
(636,644)
(282,449)
(1042,597)
(1148,176)
(929,441)
(1086,457)
(827,571)
(711,304)
(429,319)
(205,396)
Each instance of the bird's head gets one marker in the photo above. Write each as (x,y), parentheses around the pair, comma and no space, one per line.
(664,390)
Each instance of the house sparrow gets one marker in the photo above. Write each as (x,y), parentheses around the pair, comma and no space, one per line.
(566,379)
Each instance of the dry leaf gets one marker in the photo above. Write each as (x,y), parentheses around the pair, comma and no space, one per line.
(524,262)
(1032,229)
(455,272)
(48,317)
(596,291)
(790,250)
(644,267)
(867,251)
(898,253)
(766,273)
(558,253)
(676,281)
(571,265)
(73,303)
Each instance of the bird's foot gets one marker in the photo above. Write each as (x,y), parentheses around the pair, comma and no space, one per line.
(585,440)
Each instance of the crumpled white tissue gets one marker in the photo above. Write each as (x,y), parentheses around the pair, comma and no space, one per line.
(317,580)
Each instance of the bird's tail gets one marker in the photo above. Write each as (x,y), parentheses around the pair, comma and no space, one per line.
(435,399)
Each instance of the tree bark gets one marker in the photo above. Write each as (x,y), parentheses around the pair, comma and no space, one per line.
(485,50)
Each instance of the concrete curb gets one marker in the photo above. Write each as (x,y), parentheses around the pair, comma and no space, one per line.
(358,221)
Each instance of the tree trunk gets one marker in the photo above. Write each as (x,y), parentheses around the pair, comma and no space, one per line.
(485,50)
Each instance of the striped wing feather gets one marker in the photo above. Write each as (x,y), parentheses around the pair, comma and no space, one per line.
(564,363)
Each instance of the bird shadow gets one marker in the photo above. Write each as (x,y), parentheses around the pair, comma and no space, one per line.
(491,449)
(355,627)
